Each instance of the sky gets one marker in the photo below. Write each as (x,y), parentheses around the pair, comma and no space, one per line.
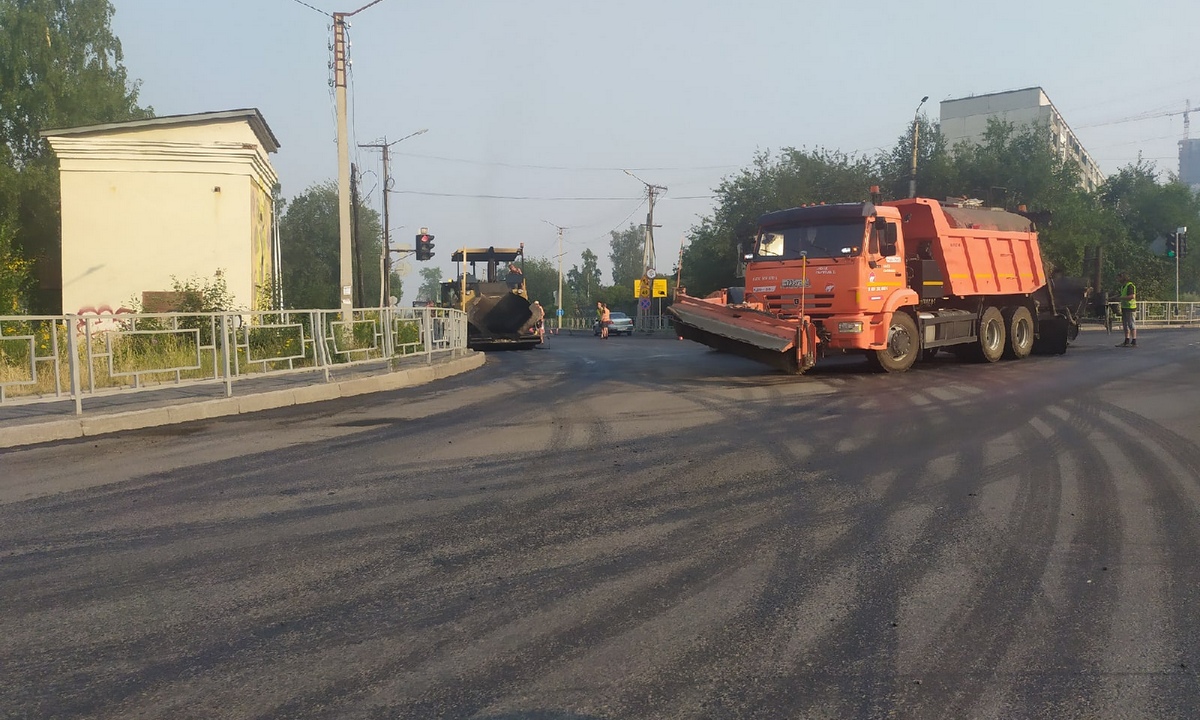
(536,108)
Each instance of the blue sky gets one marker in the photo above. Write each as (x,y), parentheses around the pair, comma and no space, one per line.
(551,99)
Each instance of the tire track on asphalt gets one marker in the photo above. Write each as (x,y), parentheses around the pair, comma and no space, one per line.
(1170,464)
(884,581)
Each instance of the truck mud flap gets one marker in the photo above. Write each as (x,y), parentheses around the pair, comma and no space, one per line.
(1054,333)
(747,334)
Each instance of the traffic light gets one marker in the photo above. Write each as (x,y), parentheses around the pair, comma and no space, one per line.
(1181,245)
(424,245)
(1171,239)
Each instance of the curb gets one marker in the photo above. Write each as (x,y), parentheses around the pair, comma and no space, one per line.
(101,424)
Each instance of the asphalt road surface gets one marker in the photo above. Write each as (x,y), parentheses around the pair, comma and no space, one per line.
(630,528)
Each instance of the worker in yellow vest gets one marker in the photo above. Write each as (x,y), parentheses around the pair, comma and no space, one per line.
(1128,301)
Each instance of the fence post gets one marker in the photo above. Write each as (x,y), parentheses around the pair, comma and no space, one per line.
(427,333)
(385,317)
(225,354)
(318,319)
(73,351)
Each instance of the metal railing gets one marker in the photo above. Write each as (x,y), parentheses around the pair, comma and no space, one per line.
(647,323)
(56,357)
(1154,313)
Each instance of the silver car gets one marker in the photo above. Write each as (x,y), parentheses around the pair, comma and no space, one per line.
(621,324)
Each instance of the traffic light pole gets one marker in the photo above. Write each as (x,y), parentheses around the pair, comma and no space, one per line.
(1180,251)
(385,262)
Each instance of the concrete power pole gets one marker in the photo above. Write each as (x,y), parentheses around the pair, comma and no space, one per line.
(385,260)
(648,256)
(340,62)
(346,264)
(558,301)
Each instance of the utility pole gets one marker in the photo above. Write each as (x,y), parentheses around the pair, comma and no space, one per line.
(912,175)
(648,257)
(385,260)
(340,63)
(558,300)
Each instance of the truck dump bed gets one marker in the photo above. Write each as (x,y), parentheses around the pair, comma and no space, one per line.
(981,251)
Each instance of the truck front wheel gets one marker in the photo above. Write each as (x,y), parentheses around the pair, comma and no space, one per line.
(991,335)
(903,345)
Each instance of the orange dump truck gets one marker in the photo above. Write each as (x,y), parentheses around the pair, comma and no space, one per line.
(896,281)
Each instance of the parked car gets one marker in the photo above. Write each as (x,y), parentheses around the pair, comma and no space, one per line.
(622,324)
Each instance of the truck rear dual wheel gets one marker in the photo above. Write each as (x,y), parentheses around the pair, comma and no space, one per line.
(903,345)
(992,335)
(1019,322)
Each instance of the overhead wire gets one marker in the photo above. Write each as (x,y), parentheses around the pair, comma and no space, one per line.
(504,197)
(524,166)
(310,7)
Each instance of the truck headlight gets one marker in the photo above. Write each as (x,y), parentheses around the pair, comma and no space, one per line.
(850,327)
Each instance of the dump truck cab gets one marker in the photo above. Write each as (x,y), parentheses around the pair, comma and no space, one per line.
(841,265)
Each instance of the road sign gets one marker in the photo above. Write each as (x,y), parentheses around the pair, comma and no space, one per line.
(644,288)
(650,273)
(559,312)
(659,288)
(644,303)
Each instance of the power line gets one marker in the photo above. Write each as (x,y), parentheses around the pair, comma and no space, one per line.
(560,167)
(1134,118)
(503,197)
(310,7)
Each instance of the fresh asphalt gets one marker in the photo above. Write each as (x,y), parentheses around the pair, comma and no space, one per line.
(629,528)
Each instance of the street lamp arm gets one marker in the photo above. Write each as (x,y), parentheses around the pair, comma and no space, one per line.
(912,175)
(422,131)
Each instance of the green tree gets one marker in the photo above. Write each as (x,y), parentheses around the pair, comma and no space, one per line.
(935,169)
(1146,209)
(792,178)
(14,273)
(60,66)
(584,283)
(628,250)
(431,284)
(309,241)
(541,281)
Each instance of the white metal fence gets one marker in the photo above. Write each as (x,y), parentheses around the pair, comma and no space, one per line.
(46,358)
(646,323)
(1153,313)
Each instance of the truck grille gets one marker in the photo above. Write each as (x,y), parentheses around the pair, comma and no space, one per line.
(815,305)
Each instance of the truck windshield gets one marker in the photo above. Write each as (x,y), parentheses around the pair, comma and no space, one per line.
(833,240)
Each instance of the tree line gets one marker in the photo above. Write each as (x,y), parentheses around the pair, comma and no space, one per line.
(62,66)
(1011,167)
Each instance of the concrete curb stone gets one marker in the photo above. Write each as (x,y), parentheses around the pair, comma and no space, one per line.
(102,423)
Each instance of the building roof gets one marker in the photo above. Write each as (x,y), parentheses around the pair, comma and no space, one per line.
(251,115)
(993,94)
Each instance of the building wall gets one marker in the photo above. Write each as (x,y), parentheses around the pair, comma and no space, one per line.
(1189,163)
(142,207)
(125,233)
(965,120)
